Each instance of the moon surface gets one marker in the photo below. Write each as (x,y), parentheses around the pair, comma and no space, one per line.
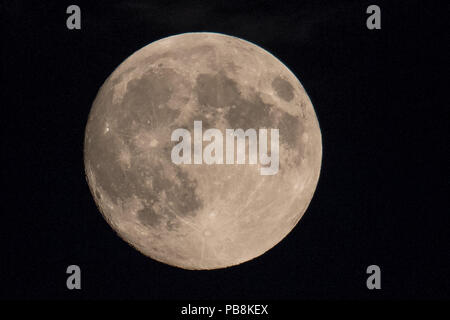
(200,216)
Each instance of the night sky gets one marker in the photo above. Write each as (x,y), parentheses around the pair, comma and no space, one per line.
(382,196)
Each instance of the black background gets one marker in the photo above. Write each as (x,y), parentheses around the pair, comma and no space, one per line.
(381,196)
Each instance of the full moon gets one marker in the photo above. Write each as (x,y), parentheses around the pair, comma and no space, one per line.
(200,216)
